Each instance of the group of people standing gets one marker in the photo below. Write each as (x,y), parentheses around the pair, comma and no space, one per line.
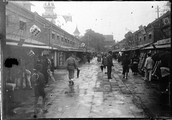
(133,62)
(127,62)
(106,60)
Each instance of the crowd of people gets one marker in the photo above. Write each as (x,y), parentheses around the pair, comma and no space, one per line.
(106,60)
(43,72)
(156,66)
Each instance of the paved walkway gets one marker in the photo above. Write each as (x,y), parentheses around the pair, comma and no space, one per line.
(97,97)
(145,95)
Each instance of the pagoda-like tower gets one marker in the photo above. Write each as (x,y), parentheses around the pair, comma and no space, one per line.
(49,13)
(76,32)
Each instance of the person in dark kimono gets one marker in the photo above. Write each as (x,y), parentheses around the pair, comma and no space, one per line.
(135,62)
(125,64)
(109,64)
(71,65)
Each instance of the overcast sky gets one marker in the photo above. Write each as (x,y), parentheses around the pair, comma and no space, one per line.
(107,18)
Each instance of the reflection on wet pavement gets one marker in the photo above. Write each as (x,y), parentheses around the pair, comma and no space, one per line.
(93,99)
(97,97)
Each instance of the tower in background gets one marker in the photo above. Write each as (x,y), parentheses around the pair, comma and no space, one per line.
(76,32)
(49,12)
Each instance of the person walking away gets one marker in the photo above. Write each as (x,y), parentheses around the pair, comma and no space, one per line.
(135,62)
(148,67)
(39,85)
(104,61)
(109,64)
(98,58)
(125,65)
(71,65)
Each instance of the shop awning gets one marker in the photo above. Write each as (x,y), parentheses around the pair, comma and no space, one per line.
(30,45)
(158,47)
(161,44)
(117,50)
(68,48)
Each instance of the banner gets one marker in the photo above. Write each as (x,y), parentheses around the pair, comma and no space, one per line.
(67,18)
(35,30)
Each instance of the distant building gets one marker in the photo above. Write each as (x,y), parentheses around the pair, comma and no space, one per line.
(49,13)
(108,42)
(108,37)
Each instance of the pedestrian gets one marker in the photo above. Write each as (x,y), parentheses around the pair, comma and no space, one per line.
(109,64)
(52,66)
(125,65)
(45,64)
(135,62)
(104,61)
(88,58)
(71,65)
(148,66)
(50,74)
(39,85)
(99,58)
(27,75)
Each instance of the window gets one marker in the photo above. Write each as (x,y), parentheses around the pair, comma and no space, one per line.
(65,40)
(140,39)
(53,36)
(22,25)
(144,38)
(58,37)
(150,36)
(62,39)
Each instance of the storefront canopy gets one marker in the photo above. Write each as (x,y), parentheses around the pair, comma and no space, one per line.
(161,44)
(30,45)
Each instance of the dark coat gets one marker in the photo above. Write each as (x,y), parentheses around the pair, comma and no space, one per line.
(125,60)
(109,60)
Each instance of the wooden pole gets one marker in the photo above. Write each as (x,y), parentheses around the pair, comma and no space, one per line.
(2,52)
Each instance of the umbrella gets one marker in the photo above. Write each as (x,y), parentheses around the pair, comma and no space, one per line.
(78,71)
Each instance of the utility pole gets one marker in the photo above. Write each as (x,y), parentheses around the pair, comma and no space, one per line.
(157,11)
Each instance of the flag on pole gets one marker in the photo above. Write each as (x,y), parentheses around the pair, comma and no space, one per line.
(35,30)
(67,18)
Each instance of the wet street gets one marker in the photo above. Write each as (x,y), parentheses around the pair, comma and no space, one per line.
(97,97)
